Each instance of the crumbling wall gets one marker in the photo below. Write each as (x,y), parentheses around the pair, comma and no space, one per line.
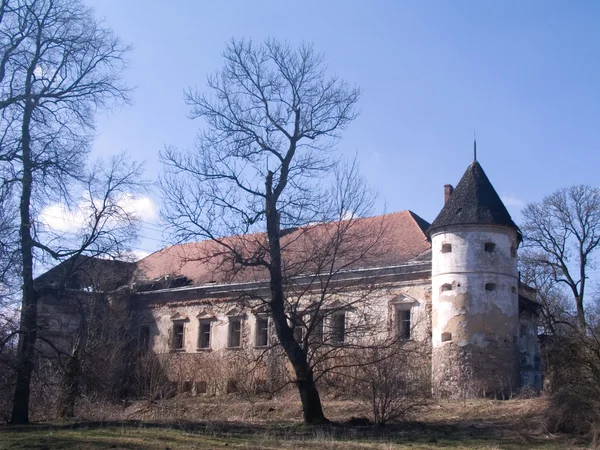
(475,314)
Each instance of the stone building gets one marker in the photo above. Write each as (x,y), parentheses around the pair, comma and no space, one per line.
(452,286)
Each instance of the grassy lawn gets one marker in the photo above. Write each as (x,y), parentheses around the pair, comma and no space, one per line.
(129,436)
(196,423)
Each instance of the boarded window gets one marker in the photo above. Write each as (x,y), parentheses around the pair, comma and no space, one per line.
(338,328)
(178,329)
(489,247)
(446,248)
(446,287)
(204,334)
(490,286)
(235,332)
(446,337)
(403,324)
(262,331)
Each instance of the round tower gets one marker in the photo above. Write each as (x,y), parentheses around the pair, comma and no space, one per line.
(475,303)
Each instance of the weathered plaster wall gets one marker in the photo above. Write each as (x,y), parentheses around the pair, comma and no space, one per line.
(372,316)
(475,312)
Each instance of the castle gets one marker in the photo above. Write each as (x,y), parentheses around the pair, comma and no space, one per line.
(451,285)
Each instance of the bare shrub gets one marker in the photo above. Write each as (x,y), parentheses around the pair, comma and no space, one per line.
(149,380)
(573,372)
(391,381)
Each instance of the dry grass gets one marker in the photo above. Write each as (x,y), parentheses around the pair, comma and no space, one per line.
(202,423)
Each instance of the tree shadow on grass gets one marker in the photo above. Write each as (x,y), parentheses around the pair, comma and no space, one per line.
(473,433)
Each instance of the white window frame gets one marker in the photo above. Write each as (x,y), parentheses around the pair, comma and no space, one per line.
(230,331)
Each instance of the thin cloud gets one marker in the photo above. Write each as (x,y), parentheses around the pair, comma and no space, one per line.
(62,219)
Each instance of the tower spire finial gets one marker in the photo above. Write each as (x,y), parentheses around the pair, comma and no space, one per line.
(474,147)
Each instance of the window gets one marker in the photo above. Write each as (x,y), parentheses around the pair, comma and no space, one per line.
(446,287)
(204,333)
(316,327)
(262,331)
(235,332)
(299,329)
(513,251)
(338,328)
(144,338)
(489,247)
(446,337)
(446,248)
(178,329)
(403,323)
(490,286)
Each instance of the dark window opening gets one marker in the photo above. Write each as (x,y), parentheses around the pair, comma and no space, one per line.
(513,252)
(201,387)
(204,334)
(144,338)
(338,328)
(403,323)
(489,247)
(446,248)
(522,331)
(490,286)
(446,337)
(235,332)
(299,329)
(513,290)
(178,336)
(316,329)
(446,287)
(262,331)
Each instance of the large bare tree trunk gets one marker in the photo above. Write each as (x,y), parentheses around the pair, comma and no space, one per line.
(28,327)
(309,395)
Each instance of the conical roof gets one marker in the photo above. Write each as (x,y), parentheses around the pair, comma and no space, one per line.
(474,201)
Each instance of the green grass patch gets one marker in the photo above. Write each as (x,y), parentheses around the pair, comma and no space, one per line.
(163,437)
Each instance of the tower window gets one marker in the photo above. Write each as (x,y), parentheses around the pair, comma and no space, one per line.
(489,247)
(446,337)
(446,248)
(446,287)
(490,286)
(513,252)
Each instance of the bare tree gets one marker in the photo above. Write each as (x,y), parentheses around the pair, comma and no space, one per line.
(562,234)
(58,67)
(259,165)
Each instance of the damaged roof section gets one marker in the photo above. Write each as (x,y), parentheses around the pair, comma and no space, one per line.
(379,241)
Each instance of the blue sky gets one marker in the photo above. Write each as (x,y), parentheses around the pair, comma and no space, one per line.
(524,75)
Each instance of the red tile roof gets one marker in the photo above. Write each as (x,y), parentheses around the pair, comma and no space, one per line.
(379,241)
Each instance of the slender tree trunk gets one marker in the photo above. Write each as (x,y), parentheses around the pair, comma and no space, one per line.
(580,312)
(309,395)
(28,326)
